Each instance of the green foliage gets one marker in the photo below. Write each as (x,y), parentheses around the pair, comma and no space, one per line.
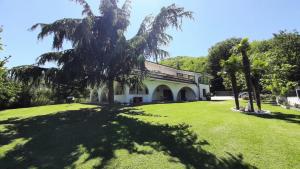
(232,64)
(286,50)
(8,88)
(277,80)
(243,48)
(240,81)
(195,64)
(231,67)
(34,96)
(220,51)
(25,93)
(259,64)
(243,45)
(260,47)
(276,62)
(42,97)
(100,52)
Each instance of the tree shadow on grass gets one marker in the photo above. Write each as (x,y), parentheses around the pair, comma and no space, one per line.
(59,140)
(291,118)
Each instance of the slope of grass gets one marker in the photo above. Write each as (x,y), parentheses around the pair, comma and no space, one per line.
(181,135)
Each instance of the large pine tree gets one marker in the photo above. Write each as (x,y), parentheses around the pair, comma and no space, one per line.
(100,52)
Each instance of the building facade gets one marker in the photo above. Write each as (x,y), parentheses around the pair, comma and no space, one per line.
(295,101)
(163,84)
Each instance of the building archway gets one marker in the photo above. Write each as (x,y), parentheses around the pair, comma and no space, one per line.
(186,94)
(162,93)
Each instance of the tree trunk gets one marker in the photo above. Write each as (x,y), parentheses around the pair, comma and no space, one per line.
(278,100)
(257,92)
(247,71)
(235,91)
(111,95)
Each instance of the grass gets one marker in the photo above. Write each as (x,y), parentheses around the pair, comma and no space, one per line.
(181,135)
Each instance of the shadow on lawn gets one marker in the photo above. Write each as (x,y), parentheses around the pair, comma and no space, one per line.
(292,118)
(54,140)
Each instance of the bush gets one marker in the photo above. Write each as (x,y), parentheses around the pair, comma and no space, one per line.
(29,96)
(8,94)
(41,97)
(81,100)
(273,98)
(268,97)
(208,97)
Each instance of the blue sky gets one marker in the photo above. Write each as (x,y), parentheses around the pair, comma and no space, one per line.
(215,20)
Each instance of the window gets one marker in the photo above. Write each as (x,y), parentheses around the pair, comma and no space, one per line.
(138,90)
(119,89)
(204,92)
(203,80)
(206,80)
(200,80)
(191,77)
(179,75)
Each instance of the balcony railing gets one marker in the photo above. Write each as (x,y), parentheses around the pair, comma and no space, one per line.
(163,76)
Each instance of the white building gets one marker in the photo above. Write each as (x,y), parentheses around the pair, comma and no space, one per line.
(162,84)
(293,101)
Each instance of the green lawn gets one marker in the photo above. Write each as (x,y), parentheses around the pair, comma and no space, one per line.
(182,135)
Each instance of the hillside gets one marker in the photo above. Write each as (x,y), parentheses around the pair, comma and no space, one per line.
(196,64)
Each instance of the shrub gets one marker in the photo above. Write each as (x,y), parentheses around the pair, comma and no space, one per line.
(81,100)
(208,96)
(297,106)
(268,97)
(41,97)
(8,94)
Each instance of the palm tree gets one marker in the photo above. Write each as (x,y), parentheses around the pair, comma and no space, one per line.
(230,68)
(260,59)
(100,52)
(243,47)
(259,67)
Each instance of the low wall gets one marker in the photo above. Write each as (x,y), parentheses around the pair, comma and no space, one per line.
(293,100)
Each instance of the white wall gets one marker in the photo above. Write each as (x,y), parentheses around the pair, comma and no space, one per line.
(201,87)
(152,84)
(293,100)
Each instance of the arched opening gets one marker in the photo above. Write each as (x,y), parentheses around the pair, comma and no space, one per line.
(162,93)
(138,90)
(186,94)
(94,97)
(104,96)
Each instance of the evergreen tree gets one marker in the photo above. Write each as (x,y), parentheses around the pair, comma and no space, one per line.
(100,52)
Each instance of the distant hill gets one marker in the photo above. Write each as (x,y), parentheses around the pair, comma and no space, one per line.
(196,64)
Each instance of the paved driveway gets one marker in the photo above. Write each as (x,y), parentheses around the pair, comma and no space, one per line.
(218,98)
